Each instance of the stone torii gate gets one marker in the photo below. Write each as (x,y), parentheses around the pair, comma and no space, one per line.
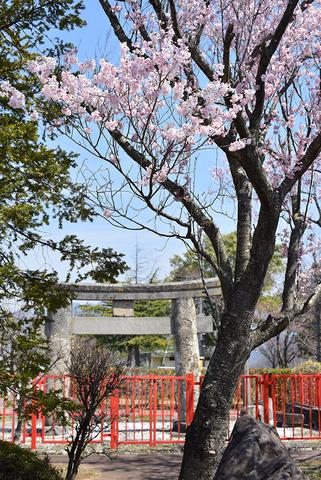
(183,323)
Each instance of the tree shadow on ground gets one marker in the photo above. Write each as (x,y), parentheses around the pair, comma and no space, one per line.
(132,467)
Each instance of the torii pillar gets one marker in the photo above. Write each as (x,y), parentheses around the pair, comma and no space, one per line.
(186,348)
(58,332)
(184,328)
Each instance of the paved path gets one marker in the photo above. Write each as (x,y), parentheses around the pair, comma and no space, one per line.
(149,466)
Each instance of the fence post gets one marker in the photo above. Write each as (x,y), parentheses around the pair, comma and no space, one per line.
(189,398)
(33,431)
(266,385)
(154,410)
(114,414)
(34,419)
(151,408)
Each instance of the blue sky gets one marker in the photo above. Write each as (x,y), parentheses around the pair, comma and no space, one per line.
(96,40)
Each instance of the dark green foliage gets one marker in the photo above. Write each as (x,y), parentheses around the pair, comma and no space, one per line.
(108,265)
(36,189)
(187,267)
(148,343)
(17,463)
(271,371)
(310,367)
(95,310)
(152,371)
(40,15)
(35,183)
(152,308)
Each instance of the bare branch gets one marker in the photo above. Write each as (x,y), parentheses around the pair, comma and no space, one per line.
(195,211)
(229,35)
(118,29)
(244,218)
(312,152)
(266,55)
(174,19)
(274,325)
(289,287)
(249,159)
(157,6)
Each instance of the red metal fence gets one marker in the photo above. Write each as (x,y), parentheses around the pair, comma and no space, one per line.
(156,409)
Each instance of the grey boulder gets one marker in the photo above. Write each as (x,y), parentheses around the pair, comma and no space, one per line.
(256,452)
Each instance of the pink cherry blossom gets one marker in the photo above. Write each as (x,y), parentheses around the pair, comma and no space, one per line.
(158,98)
(237,145)
(16,98)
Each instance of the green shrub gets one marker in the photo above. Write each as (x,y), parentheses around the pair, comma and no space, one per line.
(271,371)
(308,367)
(17,463)
(156,371)
(150,371)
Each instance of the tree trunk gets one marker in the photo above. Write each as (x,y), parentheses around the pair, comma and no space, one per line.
(77,448)
(130,356)
(18,430)
(137,356)
(21,419)
(206,436)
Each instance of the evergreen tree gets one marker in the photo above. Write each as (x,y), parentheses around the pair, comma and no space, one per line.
(36,189)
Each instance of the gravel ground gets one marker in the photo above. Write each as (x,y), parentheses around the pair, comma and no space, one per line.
(140,431)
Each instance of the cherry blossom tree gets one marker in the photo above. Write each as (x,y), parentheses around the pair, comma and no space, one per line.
(226,92)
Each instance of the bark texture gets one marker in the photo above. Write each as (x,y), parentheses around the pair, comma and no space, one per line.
(207,434)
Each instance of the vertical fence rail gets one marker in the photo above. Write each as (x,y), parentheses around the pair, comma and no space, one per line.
(189,398)
(114,411)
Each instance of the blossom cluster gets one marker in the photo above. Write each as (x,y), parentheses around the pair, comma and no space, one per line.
(16,98)
(156,97)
